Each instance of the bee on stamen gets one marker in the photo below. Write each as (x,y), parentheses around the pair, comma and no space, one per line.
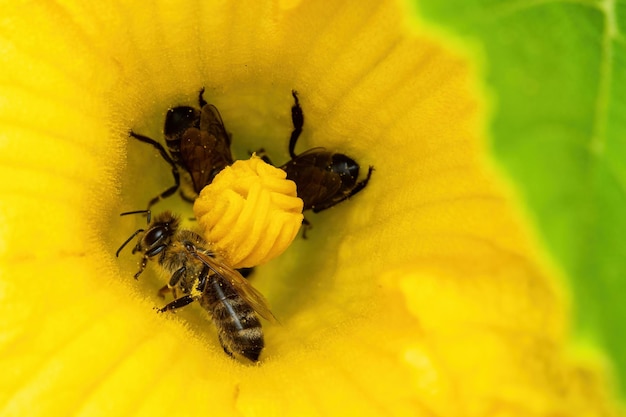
(323,178)
(198,145)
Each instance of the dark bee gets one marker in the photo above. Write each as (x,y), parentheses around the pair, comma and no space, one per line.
(198,144)
(198,274)
(323,178)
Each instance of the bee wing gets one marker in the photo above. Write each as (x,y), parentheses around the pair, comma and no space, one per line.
(312,152)
(241,285)
(206,151)
(315,183)
(211,122)
(197,150)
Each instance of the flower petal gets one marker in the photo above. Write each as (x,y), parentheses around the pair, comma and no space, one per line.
(421,295)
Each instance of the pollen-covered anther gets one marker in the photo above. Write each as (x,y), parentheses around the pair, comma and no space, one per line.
(250,212)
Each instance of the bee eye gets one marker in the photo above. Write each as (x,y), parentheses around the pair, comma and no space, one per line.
(155,235)
(179,119)
(345,167)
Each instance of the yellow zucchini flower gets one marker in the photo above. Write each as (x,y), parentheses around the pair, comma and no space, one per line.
(424,295)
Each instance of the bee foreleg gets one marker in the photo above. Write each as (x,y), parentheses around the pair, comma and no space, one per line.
(201,99)
(297,117)
(178,303)
(144,262)
(167,159)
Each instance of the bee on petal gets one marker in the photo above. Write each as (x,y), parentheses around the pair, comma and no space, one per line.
(323,178)
(199,274)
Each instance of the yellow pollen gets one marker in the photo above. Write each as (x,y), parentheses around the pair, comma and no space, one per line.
(250,212)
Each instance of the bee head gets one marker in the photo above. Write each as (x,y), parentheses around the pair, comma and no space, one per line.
(158,235)
(179,119)
(346,168)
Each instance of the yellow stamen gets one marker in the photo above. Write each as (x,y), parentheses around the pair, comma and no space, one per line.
(250,212)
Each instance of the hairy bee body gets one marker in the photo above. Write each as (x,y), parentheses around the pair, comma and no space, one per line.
(323,178)
(198,146)
(198,274)
(238,326)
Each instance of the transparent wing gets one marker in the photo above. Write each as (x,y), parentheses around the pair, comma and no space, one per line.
(205,151)
(198,154)
(315,182)
(211,122)
(239,283)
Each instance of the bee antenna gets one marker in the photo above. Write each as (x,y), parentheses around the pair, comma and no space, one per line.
(117,254)
(147,212)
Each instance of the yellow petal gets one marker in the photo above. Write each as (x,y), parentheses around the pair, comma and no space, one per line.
(422,295)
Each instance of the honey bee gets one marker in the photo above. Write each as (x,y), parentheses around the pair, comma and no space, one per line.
(198,274)
(323,178)
(198,144)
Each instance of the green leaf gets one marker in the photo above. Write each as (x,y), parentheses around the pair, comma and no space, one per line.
(557,75)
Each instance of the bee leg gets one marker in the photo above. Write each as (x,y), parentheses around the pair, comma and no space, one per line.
(187,197)
(144,262)
(358,187)
(175,278)
(164,290)
(297,118)
(167,159)
(261,153)
(201,99)
(177,303)
(171,285)
(306,225)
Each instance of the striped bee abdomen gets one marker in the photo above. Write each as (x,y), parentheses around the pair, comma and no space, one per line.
(239,327)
